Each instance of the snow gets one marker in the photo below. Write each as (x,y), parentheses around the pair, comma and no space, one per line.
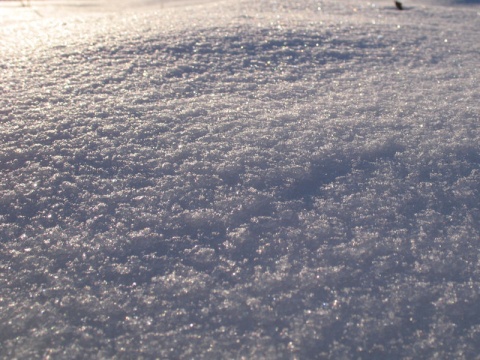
(239,179)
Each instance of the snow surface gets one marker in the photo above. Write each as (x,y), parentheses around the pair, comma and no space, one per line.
(249,179)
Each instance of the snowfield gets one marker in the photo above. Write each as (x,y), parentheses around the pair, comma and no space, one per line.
(240,179)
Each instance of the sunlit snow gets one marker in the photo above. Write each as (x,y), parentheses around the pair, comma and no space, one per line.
(233,179)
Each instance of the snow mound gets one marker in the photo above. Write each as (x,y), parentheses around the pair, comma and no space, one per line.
(249,180)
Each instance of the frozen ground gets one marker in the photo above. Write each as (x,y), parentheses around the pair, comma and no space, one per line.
(240,179)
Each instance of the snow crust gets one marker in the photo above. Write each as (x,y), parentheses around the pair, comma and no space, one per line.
(240,179)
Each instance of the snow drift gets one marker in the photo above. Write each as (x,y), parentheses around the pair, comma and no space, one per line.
(241,180)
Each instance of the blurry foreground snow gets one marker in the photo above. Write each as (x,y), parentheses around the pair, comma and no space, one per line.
(256,179)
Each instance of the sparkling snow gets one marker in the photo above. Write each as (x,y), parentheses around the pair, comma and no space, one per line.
(266,179)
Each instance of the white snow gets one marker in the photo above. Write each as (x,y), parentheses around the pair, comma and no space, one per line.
(249,179)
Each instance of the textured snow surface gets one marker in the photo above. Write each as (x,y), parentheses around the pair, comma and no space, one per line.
(241,179)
